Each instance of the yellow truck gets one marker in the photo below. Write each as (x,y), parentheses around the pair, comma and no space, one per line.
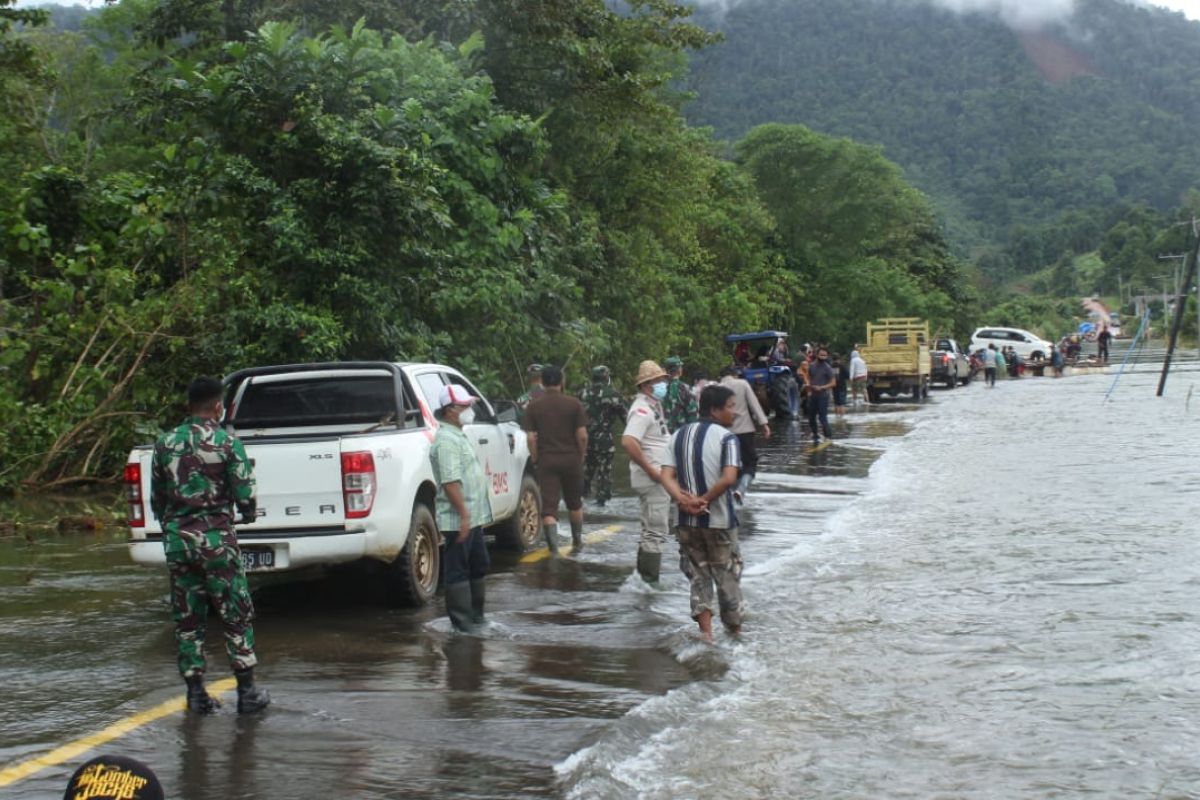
(897,356)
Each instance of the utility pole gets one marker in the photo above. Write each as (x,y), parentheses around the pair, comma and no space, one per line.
(1179,304)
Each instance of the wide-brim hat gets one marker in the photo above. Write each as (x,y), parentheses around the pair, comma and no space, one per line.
(649,371)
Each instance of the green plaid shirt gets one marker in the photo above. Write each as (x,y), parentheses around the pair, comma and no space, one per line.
(454,461)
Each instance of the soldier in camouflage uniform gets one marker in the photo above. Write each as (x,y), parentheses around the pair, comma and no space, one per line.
(533,374)
(604,407)
(200,473)
(680,405)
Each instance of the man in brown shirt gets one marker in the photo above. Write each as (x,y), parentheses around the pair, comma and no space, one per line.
(556,425)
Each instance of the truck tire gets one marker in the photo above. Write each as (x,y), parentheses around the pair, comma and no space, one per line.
(412,579)
(785,397)
(872,394)
(524,531)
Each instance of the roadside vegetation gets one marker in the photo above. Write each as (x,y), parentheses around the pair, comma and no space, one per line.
(193,186)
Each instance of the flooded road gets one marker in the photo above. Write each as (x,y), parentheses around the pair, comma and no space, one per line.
(954,600)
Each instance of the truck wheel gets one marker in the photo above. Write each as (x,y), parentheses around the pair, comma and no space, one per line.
(916,392)
(413,576)
(785,397)
(872,394)
(524,531)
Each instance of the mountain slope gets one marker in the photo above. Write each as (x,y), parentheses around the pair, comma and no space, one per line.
(999,126)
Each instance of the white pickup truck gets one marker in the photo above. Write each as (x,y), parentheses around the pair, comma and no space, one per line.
(341,459)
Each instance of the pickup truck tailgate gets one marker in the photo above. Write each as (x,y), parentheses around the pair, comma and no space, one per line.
(299,482)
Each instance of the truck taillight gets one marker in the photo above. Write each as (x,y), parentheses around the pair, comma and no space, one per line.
(358,483)
(133,496)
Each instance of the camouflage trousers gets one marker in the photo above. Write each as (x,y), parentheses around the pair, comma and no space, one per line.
(711,556)
(212,577)
(597,473)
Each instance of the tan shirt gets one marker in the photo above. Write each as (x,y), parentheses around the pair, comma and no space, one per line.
(647,422)
(747,413)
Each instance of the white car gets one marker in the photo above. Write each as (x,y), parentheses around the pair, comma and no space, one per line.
(1027,345)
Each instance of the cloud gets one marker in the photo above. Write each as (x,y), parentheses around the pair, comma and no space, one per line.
(1018,13)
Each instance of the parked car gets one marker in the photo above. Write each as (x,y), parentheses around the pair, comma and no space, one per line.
(341,460)
(1027,345)
(950,365)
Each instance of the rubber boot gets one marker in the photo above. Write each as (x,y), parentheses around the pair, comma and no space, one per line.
(577,535)
(649,565)
(199,701)
(551,534)
(458,606)
(251,698)
(478,597)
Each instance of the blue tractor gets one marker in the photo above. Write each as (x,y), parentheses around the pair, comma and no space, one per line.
(769,372)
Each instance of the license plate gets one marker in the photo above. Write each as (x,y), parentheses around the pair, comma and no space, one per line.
(257,558)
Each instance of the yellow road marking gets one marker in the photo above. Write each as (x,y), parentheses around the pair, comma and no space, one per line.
(591,538)
(73,750)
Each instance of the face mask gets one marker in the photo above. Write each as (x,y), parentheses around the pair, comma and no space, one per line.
(660,391)
(466,417)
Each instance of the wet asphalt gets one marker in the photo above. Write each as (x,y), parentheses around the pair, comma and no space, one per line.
(373,702)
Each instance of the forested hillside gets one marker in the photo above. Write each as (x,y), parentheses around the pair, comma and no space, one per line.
(1003,128)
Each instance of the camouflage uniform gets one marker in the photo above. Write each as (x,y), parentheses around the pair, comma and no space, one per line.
(200,472)
(708,556)
(604,407)
(680,404)
(533,393)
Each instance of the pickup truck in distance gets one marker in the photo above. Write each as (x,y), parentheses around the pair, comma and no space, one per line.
(951,365)
(341,461)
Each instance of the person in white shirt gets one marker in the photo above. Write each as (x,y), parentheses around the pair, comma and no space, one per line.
(858,376)
(646,440)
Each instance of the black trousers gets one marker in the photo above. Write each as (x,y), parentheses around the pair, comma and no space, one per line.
(749,454)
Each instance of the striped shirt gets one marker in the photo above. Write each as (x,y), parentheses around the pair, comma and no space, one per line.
(699,452)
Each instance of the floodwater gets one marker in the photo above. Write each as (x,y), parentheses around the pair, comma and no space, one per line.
(993,595)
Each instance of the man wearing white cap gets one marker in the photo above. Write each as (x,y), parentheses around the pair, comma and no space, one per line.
(647,440)
(463,508)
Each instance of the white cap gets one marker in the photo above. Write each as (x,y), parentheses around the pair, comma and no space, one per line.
(454,394)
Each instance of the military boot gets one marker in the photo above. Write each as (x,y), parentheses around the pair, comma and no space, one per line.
(649,565)
(478,596)
(251,699)
(551,534)
(199,701)
(577,535)
(458,606)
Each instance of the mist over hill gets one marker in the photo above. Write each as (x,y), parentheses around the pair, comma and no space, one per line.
(1001,122)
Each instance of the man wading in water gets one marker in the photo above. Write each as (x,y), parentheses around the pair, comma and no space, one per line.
(700,469)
